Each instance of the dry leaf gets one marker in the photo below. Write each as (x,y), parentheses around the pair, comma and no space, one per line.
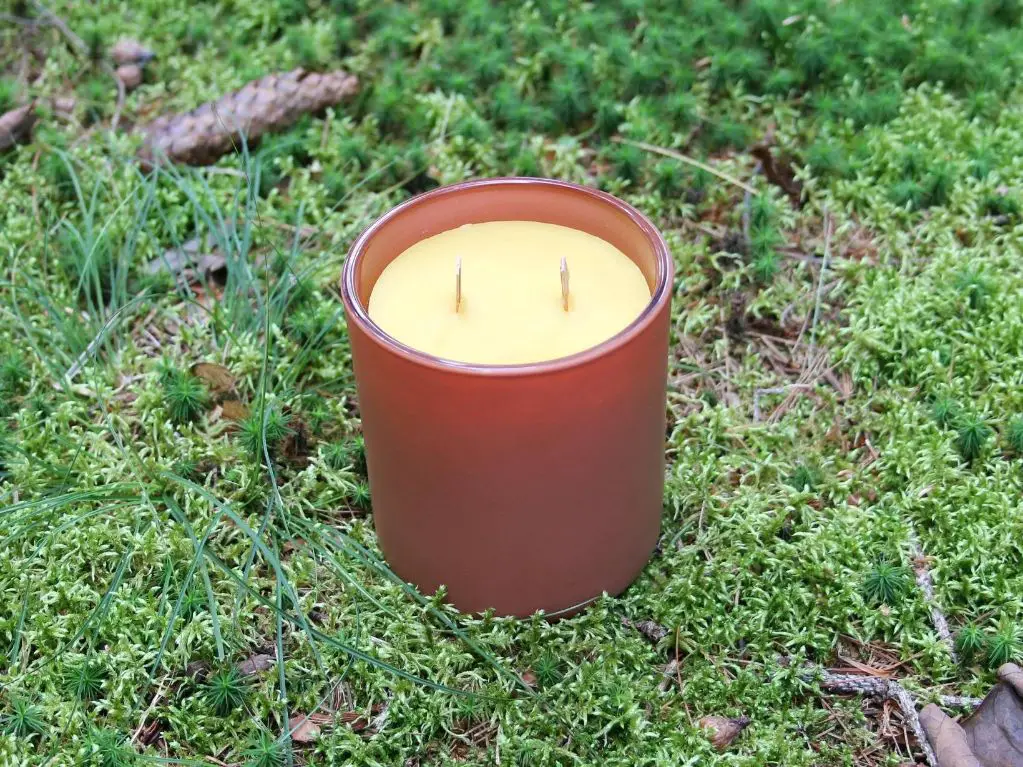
(255,664)
(198,670)
(234,410)
(194,259)
(722,731)
(130,75)
(779,170)
(128,51)
(359,721)
(295,448)
(992,736)
(947,738)
(150,733)
(217,377)
(305,729)
(292,544)
(16,125)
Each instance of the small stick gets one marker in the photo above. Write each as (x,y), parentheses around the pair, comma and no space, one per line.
(564,284)
(686,159)
(458,284)
(926,584)
(884,689)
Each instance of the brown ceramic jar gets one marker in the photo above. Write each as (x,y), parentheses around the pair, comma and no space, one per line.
(518,487)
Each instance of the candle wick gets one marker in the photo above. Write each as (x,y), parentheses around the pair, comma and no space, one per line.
(458,284)
(564,283)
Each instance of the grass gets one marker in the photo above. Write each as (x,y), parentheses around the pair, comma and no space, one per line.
(832,397)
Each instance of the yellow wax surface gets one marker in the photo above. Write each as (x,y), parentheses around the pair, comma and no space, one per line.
(511,310)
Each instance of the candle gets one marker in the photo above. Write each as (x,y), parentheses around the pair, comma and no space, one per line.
(518,487)
(511,308)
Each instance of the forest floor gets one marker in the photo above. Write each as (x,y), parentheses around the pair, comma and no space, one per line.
(846,381)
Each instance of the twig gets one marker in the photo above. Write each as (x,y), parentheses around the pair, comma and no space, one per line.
(688,160)
(149,709)
(120,96)
(56,21)
(746,206)
(381,719)
(885,689)
(819,290)
(926,584)
(9,18)
(670,673)
(828,227)
(959,701)
(758,393)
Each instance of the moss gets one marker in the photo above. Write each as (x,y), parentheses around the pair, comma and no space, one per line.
(8,94)
(174,544)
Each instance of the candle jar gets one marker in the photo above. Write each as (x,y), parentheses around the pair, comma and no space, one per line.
(517,487)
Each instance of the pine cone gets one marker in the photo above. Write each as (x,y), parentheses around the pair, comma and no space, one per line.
(262,106)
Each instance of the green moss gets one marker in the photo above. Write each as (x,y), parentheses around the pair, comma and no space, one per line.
(1005,645)
(8,94)
(225,691)
(22,720)
(98,95)
(1014,435)
(887,583)
(85,679)
(265,750)
(185,395)
(971,436)
(946,411)
(177,549)
(970,641)
(267,428)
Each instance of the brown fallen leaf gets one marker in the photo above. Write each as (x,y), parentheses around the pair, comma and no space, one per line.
(778,169)
(306,729)
(722,731)
(359,721)
(234,410)
(130,75)
(296,446)
(292,544)
(150,733)
(217,377)
(128,51)
(992,736)
(1012,675)
(16,125)
(254,664)
(947,738)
